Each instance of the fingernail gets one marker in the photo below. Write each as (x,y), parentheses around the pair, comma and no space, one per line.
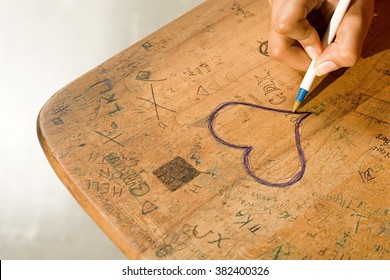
(325,67)
(311,52)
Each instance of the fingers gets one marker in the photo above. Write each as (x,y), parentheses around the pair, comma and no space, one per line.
(346,49)
(291,21)
(293,41)
(289,25)
(284,49)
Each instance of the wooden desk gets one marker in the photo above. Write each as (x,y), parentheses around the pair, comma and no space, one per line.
(183,147)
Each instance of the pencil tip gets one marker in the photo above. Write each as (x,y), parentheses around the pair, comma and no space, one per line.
(296,105)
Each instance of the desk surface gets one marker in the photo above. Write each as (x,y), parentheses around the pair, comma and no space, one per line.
(183,146)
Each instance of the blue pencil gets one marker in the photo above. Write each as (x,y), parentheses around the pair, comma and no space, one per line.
(328,38)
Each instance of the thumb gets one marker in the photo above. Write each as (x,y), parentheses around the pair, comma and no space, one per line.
(344,52)
(346,49)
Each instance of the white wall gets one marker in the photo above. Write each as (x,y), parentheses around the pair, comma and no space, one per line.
(44,45)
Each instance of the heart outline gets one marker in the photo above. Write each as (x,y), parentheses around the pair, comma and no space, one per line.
(248,149)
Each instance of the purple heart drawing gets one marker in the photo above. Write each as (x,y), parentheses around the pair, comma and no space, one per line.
(248,149)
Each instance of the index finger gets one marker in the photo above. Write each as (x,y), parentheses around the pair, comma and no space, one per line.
(289,18)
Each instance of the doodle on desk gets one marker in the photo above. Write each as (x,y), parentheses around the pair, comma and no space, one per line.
(176,173)
(145,76)
(263,48)
(155,104)
(248,149)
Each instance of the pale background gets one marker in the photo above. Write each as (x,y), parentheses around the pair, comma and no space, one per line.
(44,45)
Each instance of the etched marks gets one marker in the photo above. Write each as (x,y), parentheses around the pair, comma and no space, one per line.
(385,140)
(215,86)
(59,110)
(367,175)
(195,153)
(385,152)
(110,138)
(263,48)
(240,11)
(344,134)
(274,93)
(230,77)
(202,91)
(208,27)
(374,108)
(247,149)
(143,75)
(202,69)
(157,45)
(127,175)
(148,207)
(115,179)
(104,188)
(247,221)
(146,76)
(173,242)
(282,250)
(361,211)
(147,46)
(58,121)
(383,148)
(156,106)
(210,236)
(102,86)
(176,173)
(109,135)
(106,97)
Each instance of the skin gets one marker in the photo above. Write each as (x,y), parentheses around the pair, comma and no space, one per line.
(294,40)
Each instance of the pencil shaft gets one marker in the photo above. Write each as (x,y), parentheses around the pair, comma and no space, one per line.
(328,38)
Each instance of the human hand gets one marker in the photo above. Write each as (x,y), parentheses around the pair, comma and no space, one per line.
(294,41)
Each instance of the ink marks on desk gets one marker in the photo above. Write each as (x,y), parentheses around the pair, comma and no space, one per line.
(240,11)
(263,48)
(381,147)
(156,106)
(176,173)
(188,238)
(201,73)
(202,91)
(127,176)
(193,73)
(146,76)
(117,182)
(112,135)
(245,220)
(374,108)
(104,188)
(59,110)
(273,92)
(157,45)
(367,175)
(243,134)
(173,242)
(101,87)
(208,27)
(365,218)
(108,99)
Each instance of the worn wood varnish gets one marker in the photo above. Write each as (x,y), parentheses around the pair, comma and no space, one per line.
(180,147)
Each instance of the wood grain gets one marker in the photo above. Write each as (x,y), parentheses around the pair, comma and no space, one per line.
(131,140)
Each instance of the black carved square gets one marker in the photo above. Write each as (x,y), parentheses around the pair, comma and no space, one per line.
(176,173)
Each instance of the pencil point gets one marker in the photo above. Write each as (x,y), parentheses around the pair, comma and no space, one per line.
(296,105)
